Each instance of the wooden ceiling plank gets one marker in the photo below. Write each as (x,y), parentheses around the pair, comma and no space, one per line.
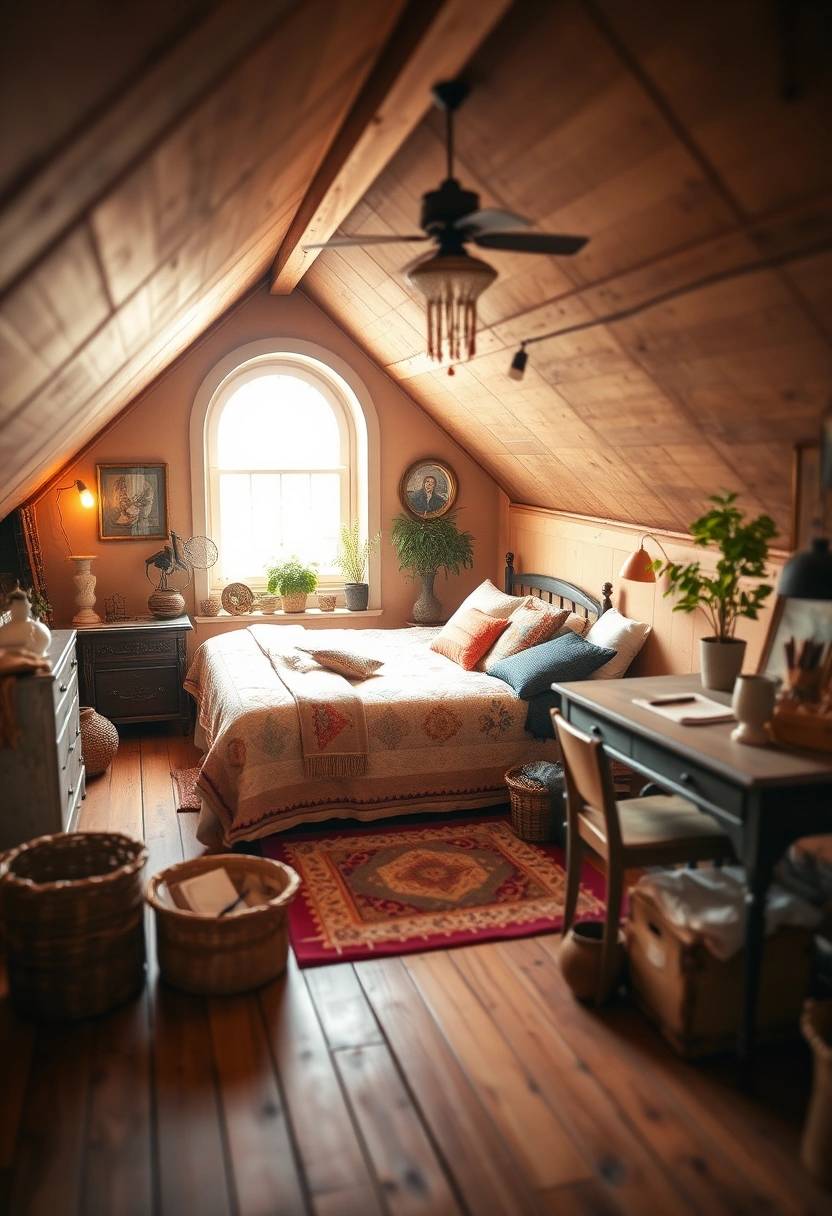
(432,42)
(76,178)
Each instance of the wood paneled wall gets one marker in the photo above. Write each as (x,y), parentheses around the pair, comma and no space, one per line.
(591,552)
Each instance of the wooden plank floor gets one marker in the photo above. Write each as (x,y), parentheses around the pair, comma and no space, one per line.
(448,1083)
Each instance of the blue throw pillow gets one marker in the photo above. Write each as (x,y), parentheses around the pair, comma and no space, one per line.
(569,657)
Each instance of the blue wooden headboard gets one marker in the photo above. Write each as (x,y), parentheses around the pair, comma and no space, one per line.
(551,589)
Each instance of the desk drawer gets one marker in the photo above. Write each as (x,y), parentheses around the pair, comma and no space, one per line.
(145,692)
(606,732)
(690,779)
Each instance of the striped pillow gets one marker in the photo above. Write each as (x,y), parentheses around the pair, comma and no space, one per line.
(527,625)
(467,636)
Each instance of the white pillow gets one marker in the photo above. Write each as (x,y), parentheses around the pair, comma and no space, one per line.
(490,600)
(624,636)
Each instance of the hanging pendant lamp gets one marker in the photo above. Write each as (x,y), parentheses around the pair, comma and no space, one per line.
(451,284)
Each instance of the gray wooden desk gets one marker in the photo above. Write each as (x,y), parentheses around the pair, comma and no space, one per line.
(764,797)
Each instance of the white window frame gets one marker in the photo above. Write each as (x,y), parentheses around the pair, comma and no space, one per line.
(353,407)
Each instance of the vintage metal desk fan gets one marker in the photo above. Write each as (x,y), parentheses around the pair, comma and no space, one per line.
(198,553)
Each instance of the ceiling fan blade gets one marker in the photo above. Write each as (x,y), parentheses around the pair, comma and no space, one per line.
(531,242)
(491,219)
(341,242)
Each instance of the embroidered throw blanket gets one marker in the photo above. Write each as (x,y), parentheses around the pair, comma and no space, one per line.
(333,726)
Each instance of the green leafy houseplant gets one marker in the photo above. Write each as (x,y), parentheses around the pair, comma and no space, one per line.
(425,546)
(743,551)
(292,577)
(353,554)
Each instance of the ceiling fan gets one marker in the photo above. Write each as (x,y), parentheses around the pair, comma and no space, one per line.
(450,278)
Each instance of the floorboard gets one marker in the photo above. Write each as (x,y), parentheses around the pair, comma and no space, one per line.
(452,1083)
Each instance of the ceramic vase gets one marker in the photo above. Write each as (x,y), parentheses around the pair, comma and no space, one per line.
(815,1153)
(23,632)
(753,706)
(580,960)
(84,581)
(99,741)
(166,603)
(720,662)
(428,609)
(357,596)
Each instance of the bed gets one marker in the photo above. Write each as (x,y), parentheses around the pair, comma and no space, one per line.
(438,738)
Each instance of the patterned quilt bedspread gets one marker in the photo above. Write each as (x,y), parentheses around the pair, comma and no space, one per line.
(440,738)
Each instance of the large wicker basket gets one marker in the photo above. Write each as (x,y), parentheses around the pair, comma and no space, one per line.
(220,955)
(73,919)
(531,807)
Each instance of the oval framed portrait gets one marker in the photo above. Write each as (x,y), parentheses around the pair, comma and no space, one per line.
(428,488)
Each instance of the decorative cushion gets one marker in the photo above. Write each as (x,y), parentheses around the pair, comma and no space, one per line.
(567,657)
(528,625)
(489,600)
(345,662)
(467,636)
(626,638)
(575,624)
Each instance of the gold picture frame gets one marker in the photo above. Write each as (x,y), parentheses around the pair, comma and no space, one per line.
(422,500)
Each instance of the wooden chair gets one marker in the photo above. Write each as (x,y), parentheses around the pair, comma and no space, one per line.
(660,830)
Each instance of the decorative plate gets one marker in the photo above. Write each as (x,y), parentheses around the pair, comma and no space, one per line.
(238,599)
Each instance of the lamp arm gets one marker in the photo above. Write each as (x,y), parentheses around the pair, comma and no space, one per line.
(650,536)
(58,494)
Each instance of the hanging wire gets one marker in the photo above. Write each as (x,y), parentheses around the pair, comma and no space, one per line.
(61,517)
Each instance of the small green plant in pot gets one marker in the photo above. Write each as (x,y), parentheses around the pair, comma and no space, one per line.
(426,545)
(292,581)
(743,549)
(351,559)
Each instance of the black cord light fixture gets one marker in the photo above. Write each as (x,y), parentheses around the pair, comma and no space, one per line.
(87,500)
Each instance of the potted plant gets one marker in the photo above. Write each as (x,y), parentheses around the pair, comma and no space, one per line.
(351,559)
(743,548)
(293,582)
(426,545)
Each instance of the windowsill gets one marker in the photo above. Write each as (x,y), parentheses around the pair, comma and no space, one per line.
(228,620)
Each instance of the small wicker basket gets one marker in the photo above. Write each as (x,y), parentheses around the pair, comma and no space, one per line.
(296,602)
(73,919)
(221,955)
(531,806)
(326,603)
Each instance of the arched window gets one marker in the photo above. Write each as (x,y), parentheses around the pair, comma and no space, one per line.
(283,441)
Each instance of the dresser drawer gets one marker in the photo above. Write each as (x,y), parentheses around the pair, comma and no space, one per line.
(690,779)
(122,694)
(605,732)
(69,735)
(64,685)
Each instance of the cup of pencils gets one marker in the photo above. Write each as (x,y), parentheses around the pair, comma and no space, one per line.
(809,672)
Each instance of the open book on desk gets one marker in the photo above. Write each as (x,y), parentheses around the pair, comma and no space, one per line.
(687,709)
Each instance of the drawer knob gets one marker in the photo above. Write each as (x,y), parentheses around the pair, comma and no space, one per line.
(686,779)
(596,731)
(71,747)
(73,663)
(70,791)
(64,687)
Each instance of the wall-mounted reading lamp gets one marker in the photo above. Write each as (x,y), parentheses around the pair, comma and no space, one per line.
(87,500)
(638,567)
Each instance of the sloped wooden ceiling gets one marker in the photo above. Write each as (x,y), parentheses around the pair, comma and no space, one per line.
(660,131)
(151,160)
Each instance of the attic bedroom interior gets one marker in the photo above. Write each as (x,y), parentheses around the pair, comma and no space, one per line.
(416,619)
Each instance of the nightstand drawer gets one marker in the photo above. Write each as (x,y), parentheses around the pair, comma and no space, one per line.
(127,693)
(129,646)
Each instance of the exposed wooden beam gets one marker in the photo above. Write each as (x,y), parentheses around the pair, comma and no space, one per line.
(38,214)
(432,41)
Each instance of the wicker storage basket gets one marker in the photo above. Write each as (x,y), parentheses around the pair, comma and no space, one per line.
(73,916)
(531,807)
(218,956)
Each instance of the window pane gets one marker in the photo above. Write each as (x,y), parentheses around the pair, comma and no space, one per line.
(235,526)
(278,422)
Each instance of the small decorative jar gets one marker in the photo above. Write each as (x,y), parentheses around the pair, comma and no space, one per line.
(326,603)
(211,606)
(580,960)
(99,741)
(23,632)
(166,603)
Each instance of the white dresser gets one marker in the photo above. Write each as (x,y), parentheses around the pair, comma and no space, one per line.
(42,779)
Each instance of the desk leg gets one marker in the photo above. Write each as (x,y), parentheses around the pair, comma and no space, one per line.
(758,876)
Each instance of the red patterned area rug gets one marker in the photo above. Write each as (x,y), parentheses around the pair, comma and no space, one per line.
(404,889)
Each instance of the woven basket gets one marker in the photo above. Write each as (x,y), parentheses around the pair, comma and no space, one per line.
(73,919)
(295,602)
(221,955)
(531,807)
(326,603)
(99,741)
(238,599)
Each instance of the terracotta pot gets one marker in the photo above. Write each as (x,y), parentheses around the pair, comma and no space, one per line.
(580,959)
(99,741)
(166,604)
(427,609)
(357,596)
(720,662)
(816,1146)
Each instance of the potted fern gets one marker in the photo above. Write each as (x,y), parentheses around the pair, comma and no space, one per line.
(426,545)
(743,548)
(351,559)
(293,582)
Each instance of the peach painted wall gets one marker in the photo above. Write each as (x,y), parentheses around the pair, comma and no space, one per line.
(590,553)
(156,430)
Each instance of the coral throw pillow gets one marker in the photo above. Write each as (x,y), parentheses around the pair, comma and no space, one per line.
(467,636)
(527,626)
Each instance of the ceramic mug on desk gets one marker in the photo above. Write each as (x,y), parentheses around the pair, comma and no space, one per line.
(753,705)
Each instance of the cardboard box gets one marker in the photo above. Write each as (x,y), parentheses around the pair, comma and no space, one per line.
(694,998)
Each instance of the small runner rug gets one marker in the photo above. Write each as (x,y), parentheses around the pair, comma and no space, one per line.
(404,889)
